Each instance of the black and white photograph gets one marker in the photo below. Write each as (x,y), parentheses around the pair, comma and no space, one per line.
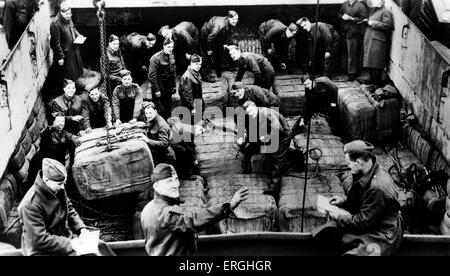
(231,131)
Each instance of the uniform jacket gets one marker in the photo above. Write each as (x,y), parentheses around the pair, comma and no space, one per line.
(350,29)
(375,212)
(162,72)
(254,63)
(218,27)
(158,131)
(96,114)
(317,100)
(273,121)
(122,94)
(49,221)
(171,230)
(70,108)
(55,144)
(190,89)
(327,37)
(186,37)
(377,39)
(274,32)
(115,65)
(16,16)
(63,33)
(260,96)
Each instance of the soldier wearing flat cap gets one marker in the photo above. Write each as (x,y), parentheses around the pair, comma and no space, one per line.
(49,220)
(170,229)
(369,222)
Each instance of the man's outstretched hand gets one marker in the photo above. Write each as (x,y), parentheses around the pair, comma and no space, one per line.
(240,196)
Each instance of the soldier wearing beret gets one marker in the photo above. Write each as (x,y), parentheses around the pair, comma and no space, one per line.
(169,229)
(368,221)
(49,220)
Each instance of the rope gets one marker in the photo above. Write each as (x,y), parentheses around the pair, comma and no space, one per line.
(309,123)
(10,226)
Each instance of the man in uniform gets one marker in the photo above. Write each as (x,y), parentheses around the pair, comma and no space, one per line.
(273,132)
(48,217)
(260,96)
(369,222)
(96,111)
(327,45)
(215,34)
(275,38)
(162,75)
(260,66)
(171,230)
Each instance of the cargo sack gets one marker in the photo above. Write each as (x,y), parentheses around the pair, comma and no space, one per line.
(38,105)
(319,124)
(12,181)
(438,162)
(13,236)
(7,195)
(31,153)
(357,113)
(257,214)
(21,175)
(291,200)
(387,112)
(89,78)
(291,91)
(421,147)
(217,150)
(34,131)
(330,148)
(30,120)
(41,120)
(26,143)
(99,173)
(17,159)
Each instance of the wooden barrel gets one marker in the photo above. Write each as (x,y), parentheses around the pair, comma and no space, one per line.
(291,200)
(257,214)
(99,173)
(26,143)
(31,153)
(21,175)
(12,181)
(357,113)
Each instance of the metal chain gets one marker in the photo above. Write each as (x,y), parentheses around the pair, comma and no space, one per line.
(101,14)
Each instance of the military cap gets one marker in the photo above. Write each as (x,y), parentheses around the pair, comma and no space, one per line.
(358,146)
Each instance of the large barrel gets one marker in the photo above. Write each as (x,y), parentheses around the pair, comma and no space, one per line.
(257,214)
(291,200)
(100,173)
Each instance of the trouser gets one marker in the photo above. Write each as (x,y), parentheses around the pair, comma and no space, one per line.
(185,157)
(164,103)
(166,156)
(375,76)
(267,78)
(330,64)
(352,53)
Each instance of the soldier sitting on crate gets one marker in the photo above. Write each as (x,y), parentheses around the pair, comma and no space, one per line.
(96,111)
(127,100)
(49,220)
(369,222)
(260,96)
(275,38)
(70,105)
(272,137)
(321,97)
(260,66)
(158,134)
(170,229)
